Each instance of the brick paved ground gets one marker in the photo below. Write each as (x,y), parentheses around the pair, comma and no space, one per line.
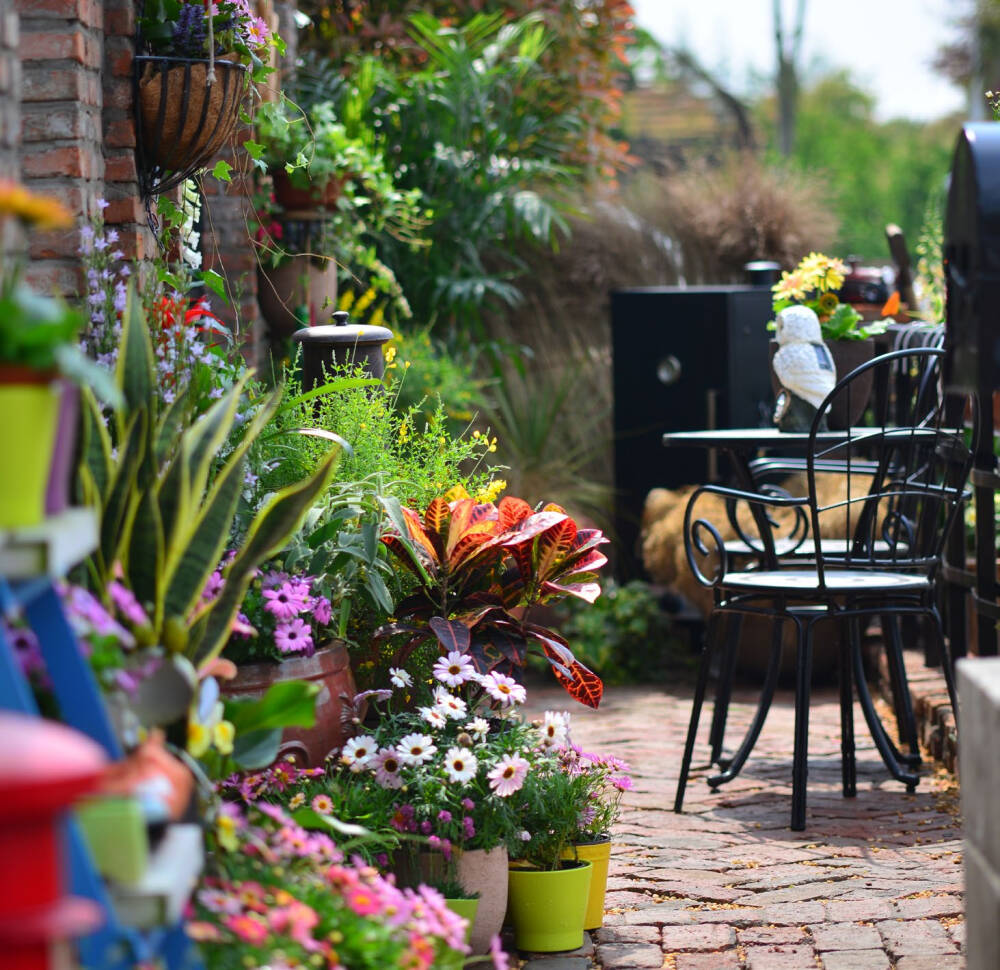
(873,883)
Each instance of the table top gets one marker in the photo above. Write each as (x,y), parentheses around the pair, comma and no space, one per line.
(751,438)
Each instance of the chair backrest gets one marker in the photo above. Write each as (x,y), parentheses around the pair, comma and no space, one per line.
(902,475)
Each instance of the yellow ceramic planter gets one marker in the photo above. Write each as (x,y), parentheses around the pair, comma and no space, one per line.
(598,854)
(29,415)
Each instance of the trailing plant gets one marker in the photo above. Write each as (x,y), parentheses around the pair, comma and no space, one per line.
(167,502)
(477,563)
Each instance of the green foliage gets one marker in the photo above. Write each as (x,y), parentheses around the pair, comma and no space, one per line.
(466,128)
(259,723)
(410,454)
(878,172)
(624,635)
(167,500)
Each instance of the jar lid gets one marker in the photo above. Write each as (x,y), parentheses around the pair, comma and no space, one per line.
(340,332)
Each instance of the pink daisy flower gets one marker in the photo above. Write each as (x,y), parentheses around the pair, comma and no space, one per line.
(509,774)
(454,669)
(387,767)
(293,637)
(322,611)
(504,689)
(283,602)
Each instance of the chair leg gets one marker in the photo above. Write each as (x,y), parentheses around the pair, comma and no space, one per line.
(848,764)
(947,662)
(699,699)
(764,705)
(800,758)
(888,751)
(724,688)
(902,702)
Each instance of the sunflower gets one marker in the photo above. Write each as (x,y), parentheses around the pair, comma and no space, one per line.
(826,304)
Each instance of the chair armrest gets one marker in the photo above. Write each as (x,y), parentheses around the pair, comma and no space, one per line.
(696,531)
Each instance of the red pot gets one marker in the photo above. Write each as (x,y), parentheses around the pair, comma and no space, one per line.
(330,668)
(291,197)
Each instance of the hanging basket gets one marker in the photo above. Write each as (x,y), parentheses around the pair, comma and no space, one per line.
(182,120)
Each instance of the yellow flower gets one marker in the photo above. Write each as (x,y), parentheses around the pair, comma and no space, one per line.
(791,286)
(389,353)
(199,738)
(364,301)
(296,800)
(225,832)
(40,210)
(346,300)
(375,320)
(490,493)
(222,737)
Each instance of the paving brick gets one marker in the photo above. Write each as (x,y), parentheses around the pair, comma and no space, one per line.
(771,934)
(935,961)
(724,960)
(711,937)
(628,934)
(780,958)
(915,937)
(855,960)
(626,956)
(557,963)
(845,936)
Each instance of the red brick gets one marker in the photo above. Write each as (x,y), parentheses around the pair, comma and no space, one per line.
(120,133)
(123,210)
(86,11)
(54,276)
(120,168)
(119,52)
(710,937)
(71,160)
(118,93)
(55,122)
(628,934)
(53,45)
(845,936)
(69,83)
(780,958)
(915,937)
(855,960)
(771,934)
(60,244)
(119,18)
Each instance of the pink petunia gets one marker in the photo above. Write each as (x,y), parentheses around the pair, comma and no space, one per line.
(250,929)
(293,637)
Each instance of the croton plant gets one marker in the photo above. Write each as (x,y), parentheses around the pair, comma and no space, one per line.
(481,568)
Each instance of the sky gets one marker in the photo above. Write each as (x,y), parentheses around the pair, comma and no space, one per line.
(888,45)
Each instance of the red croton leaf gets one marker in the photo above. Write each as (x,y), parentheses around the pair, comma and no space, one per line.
(466,549)
(451,634)
(484,512)
(512,511)
(582,684)
(583,591)
(553,546)
(436,524)
(396,546)
(417,534)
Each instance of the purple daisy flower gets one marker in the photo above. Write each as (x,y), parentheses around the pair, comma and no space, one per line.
(293,637)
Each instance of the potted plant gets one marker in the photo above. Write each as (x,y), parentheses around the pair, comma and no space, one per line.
(548,893)
(331,194)
(606,779)
(481,569)
(815,283)
(193,74)
(40,364)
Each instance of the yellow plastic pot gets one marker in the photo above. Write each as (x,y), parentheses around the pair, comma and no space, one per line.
(29,416)
(546,908)
(598,854)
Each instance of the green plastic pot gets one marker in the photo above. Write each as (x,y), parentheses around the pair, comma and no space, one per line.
(547,908)
(598,854)
(466,908)
(29,416)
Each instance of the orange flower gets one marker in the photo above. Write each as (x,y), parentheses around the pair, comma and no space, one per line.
(39,210)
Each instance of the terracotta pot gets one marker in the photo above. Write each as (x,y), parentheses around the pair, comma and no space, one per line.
(331,669)
(847,355)
(185,121)
(300,282)
(292,198)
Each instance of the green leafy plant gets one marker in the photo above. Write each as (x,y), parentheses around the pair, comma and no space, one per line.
(167,501)
(475,563)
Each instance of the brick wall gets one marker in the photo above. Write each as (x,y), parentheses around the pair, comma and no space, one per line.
(10,84)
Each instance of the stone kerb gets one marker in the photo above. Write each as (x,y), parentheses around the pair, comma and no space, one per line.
(979,744)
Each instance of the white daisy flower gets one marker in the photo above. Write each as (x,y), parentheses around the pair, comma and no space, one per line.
(460,765)
(451,707)
(415,749)
(358,752)
(433,716)
(387,766)
(509,774)
(478,727)
(504,689)
(554,728)
(454,669)
(399,677)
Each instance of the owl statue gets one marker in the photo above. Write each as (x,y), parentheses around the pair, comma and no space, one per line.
(804,369)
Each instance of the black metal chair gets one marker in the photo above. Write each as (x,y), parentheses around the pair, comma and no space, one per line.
(903,486)
(910,394)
